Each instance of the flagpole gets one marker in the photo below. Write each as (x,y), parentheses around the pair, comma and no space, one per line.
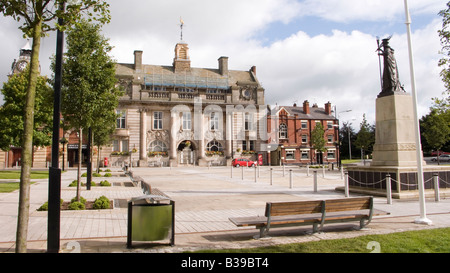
(423,214)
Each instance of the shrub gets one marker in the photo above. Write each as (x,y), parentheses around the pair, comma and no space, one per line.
(82,200)
(76,206)
(84,175)
(44,206)
(107,175)
(101,203)
(92,184)
(105,183)
(96,175)
(73,183)
(108,170)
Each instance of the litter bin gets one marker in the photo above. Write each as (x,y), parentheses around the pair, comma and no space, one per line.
(151,218)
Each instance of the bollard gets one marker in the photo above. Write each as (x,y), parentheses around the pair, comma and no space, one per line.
(231,170)
(291,184)
(342,172)
(388,189)
(242,168)
(315,181)
(437,198)
(256,179)
(271,176)
(257,166)
(283,169)
(346,184)
(323,171)
(307,170)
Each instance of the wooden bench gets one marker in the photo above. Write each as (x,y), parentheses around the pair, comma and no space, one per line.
(315,213)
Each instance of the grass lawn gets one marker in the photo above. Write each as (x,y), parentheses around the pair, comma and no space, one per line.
(6,187)
(16,174)
(421,241)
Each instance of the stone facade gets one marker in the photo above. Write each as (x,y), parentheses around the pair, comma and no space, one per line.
(178,115)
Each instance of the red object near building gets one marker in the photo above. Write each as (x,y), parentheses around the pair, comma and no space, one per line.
(105,162)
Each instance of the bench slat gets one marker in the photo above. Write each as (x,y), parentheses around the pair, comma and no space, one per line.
(292,208)
(347,204)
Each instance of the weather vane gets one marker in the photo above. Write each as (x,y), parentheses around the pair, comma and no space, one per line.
(181,27)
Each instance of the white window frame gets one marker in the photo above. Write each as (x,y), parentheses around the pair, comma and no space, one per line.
(157,120)
(187,120)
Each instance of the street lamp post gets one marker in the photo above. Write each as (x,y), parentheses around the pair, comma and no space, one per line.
(423,215)
(54,183)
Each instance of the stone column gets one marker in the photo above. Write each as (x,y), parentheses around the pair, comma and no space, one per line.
(229,136)
(143,138)
(173,138)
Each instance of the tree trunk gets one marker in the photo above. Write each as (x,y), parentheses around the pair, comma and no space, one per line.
(27,146)
(80,159)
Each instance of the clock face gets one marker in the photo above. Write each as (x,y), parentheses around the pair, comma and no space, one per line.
(22,65)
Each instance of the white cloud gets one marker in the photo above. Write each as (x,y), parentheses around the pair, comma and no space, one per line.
(341,67)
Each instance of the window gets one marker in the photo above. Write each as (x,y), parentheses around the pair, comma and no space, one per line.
(121,119)
(188,90)
(329,124)
(214,146)
(290,154)
(283,130)
(157,146)
(331,154)
(120,145)
(305,154)
(304,139)
(248,145)
(248,122)
(214,121)
(304,124)
(157,120)
(330,138)
(187,121)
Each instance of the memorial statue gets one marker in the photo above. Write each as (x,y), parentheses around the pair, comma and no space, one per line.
(390,80)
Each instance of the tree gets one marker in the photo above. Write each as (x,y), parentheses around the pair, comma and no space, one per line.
(365,138)
(89,96)
(436,129)
(38,17)
(347,134)
(318,140)
(12,112)
(444,62)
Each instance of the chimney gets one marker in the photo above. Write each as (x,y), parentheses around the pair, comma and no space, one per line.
(138,60)
(328,108)
(223,66)
(306,107)
(253,69)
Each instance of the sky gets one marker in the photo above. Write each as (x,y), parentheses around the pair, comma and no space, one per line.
(315,50)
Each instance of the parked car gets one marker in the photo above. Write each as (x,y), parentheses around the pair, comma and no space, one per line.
(435,153)
(244,162)
(442,158)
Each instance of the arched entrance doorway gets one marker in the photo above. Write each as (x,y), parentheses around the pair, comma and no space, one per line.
(186,153)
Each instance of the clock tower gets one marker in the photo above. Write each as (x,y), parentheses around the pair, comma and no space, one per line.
(20,64)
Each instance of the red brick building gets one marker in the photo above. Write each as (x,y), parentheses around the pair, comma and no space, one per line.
(295,125)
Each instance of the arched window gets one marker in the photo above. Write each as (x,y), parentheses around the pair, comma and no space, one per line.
(283,130)
(214,146)
(157,146)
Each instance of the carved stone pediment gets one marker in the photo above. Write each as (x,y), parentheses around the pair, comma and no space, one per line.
(157,135)
(185,135)
(210,135)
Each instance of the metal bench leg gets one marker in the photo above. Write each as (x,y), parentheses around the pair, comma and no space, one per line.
(315,229)
(263,232)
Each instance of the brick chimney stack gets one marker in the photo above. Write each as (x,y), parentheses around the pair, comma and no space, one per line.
(223,66)
(138,60)
(328,108)
(306,107)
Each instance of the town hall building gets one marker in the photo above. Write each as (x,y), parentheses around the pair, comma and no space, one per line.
(172,115)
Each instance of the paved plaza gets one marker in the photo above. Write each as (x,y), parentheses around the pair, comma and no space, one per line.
(205,198)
